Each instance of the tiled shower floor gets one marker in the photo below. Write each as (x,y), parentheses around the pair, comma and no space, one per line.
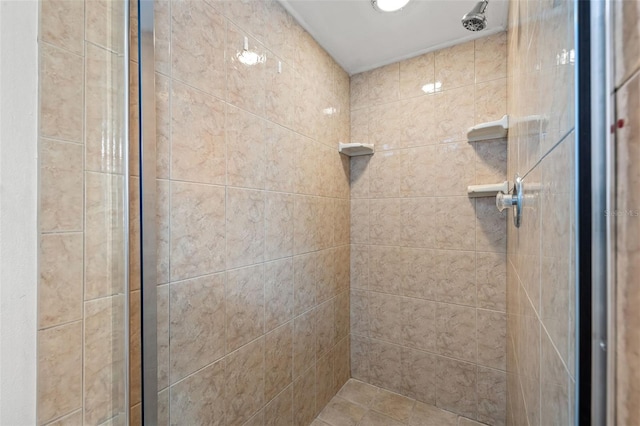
(361,404)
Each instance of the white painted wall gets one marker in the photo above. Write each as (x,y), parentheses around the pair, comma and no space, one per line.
(18,210)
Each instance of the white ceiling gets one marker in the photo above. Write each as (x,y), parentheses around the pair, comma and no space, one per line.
(360,38)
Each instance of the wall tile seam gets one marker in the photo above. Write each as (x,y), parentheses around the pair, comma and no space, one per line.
(65,323)
(361,290)
(69,414)
(44,43)
(414,247)
(264,117)
(59,141)
(402,346)
(224,358)
(631,74)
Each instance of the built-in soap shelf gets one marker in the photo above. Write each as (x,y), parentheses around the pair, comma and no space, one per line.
(490,130)
(490,190)
(355,149)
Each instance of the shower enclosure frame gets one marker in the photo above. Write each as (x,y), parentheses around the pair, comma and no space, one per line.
(148,238)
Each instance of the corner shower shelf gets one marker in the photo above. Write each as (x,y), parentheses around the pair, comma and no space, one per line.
(354,149)
(491,130)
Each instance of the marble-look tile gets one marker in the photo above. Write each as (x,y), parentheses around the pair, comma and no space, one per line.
(385,317)
(393,405)
(359,311)
(198,45)
(197,229)
(418,323)
(342,314)
(456,384)
(358,392)
(162,26)
(455,225)
(491,280)
(490,227)
(385,365)
(304,398)
(360,348)
(419,172)
(304,281)
(456,331)
(103,108)
(452,276)
(325,381)
(100,27)
(278,360)
(428,415)
(325,327)
(163,317)
(200,398)
(359,223)
(384,84)
(72,419)
(454,114)
(627,40)
(359,91)
(371,418)
(491,161)
(198,149)
(326,275)
(135,350)
(245,305)
(163,217)
(386,221)
(104,234)
(101,330)
(343,412)
(305,224)
(359,268)
(491,100)
(304,343)
(164,100)
(245,227)
(492,396)
(280,167)
(59,378)
(341,222)
(492,333)
(60,186)
(454,66)
(62,24)
(197,324)
(416,74)
(244,382)
(628,253)
(60,288)
(279,89)
(245,149)
(280,410)
(463,421)
(385,269)
(246,86)
(61,83)
(491,57)
(359,176)
(278,225)
(341,362)
(385,167)
(278,293)
(417,121)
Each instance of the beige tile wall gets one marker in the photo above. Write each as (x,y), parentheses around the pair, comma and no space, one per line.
(80,314)
(627,96)
(253,218)
(540,255)
(428,263)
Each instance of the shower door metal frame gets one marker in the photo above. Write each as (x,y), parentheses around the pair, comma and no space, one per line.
(148,308)
(594,185)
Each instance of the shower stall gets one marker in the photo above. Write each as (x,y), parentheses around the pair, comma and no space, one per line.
(208,257)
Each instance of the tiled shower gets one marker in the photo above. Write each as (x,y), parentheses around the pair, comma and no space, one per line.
(285,268)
